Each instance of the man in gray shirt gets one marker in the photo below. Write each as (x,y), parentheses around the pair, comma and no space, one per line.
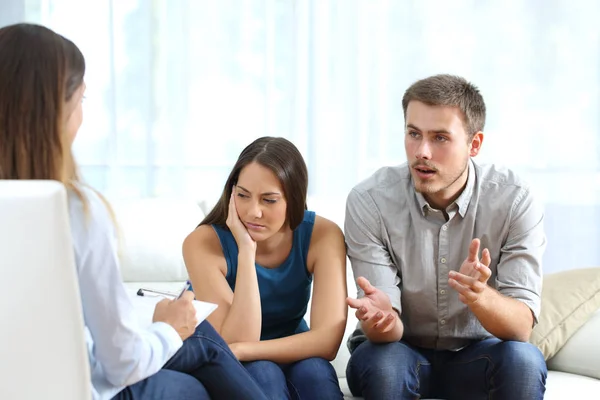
(437,317)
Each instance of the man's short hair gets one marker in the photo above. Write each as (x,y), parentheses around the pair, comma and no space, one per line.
(450,90)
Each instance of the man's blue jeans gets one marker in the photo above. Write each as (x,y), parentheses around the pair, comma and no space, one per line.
(309,379)
(204,368)
(487,369)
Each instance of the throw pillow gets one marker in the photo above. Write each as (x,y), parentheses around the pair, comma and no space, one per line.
(569,298)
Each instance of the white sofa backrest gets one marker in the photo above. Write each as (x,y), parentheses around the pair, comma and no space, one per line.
(151,232)
(42,343)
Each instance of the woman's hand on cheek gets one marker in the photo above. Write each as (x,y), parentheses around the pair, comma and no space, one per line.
(237,228)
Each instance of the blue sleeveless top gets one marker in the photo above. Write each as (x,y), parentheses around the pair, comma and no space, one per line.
(284,290)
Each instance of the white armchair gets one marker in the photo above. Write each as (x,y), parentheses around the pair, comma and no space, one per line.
(42,343)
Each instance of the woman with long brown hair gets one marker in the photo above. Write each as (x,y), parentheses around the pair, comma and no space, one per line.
(256,255)
(41,90)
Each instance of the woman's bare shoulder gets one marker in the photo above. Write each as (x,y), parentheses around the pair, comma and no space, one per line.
(325,229)
(202,246)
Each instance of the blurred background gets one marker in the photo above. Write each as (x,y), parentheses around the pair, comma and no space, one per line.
(176,89)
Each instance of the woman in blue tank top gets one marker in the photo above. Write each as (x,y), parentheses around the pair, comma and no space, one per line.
(255,255)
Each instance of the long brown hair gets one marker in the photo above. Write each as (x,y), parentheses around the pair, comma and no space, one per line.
(283,158)
(39,72)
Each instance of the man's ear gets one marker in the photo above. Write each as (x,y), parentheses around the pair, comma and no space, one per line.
(475,144)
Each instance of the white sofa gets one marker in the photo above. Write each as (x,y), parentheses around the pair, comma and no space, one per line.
(152,232)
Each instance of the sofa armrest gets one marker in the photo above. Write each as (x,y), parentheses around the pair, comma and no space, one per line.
(581,354)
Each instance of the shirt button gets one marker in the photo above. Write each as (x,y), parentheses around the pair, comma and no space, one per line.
(444,228)
(443,260)
(443,322)
(442,291)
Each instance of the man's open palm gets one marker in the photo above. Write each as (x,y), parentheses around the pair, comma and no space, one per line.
(374,309)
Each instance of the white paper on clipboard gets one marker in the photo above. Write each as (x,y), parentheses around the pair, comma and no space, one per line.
(144,308)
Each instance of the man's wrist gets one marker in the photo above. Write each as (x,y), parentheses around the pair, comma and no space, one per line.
(486,297)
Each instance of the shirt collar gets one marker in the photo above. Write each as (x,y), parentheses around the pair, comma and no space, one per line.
(465,197)
(463,200)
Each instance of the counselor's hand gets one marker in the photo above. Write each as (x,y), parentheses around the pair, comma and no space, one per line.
(180,314)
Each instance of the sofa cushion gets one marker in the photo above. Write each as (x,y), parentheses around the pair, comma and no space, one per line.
(151,233)
(569,298)
(581,354)
(561,386)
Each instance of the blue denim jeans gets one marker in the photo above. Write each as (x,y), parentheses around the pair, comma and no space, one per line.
(309,379)
(204,368)
(487,369)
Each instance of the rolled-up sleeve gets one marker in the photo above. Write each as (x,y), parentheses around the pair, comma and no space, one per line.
(519,271)
(369,256)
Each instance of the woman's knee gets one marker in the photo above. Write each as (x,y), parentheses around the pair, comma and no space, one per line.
(311,369)
(269,377)
(264,369)
(205,329)
(313,378)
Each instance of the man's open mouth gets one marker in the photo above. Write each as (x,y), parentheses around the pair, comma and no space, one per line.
(424,171)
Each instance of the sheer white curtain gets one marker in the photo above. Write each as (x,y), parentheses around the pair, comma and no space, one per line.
(177,88)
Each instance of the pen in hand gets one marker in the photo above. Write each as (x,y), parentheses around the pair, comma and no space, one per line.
(181,315)
(174,296)
(185,288)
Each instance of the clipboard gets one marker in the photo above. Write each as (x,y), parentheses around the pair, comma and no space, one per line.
(144,307)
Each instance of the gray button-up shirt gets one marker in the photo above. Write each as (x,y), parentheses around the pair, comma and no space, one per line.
(406,248)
